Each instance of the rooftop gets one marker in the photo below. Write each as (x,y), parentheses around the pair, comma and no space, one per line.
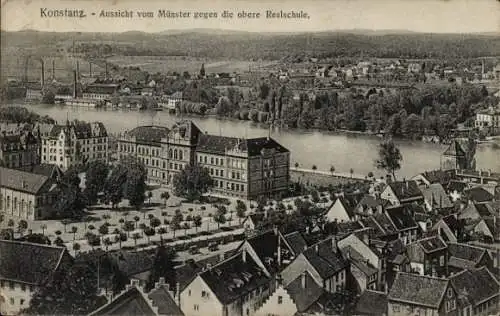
(304,291)
(418,289)
(28,262)
(23,181)
(372,303)
(475,285)
(251,146)
(405,189)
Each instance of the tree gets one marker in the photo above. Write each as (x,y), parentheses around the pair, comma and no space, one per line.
(107,242)
(76,247)
(241,209)
(154,222)
(220,216)
(148,231)
(186,227)
(95,180)
(197,222)
(389,158)
(192,182)
(314,167)
(65,223)
(71,290)
(136,219)
(165,196)
(59,242)
(10,223)
(136,236)
(74,229)
(176,221)
(332,170)
(103,229)
(163,267)
(296,165)
(22,226)
(202,71)
(351,171)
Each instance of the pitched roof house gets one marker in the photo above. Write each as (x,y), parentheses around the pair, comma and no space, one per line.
(24,267)
(465,256)
(418,294)
(478,291)
(371,303)
(428,256)
(401,192)
(436,199)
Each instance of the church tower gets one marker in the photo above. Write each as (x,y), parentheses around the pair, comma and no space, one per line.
(460,155)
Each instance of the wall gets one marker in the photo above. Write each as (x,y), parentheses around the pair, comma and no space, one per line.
(287,306)
(388,194)
(337,212)
(27,212)
(19,295)
(399,309)
(191,297)
(295,269)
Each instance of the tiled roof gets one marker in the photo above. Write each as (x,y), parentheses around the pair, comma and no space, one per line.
(432,244)
(130,302)
(265,245)
(166,304)
(233,277)
(401,216)
(405,189)
(326,260)
(186,130)
(296,241)
(24,181)
(475,285)
(460,263)
(437,176)
(28,262)
(418,289)
(372,202)
(131,262)
(372,303)
(478,194)
(466,252)
(349,203)
(457,186)
(483,209)
(149,134)
(304,294)
(252,146)
(359,261)
(88,130)
(452,221)
(435,195)
(45,169)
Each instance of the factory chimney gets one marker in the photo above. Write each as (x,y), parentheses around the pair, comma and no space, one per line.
(78,69)
(74,84)
(106,74)
(53,69)
(90,69)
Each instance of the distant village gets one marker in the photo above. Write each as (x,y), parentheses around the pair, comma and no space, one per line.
(259,240)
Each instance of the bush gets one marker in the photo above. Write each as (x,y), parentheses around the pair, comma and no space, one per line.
(190,209)
(203,208)
(58,232)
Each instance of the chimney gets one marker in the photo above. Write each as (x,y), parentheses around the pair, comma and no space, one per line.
(244,255)
(74,84)
(279,247)
(221,256)
(366,238)
(53,69)
(348,255)
(78,68)
(106,73)
(303,279)
(334,243)
(90,69)
(42,79)
(316,248)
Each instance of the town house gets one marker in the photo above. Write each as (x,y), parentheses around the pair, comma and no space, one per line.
(24,267)
(26,195)
(20,150)
(414,294)
(428,256)
(402,192)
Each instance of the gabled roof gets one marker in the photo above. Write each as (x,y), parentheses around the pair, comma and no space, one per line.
(28,262)
(418,290)
(372,202)
(132,262)
(416,251)
(475,285)
(402,217)
(406,189)
(359,261)
(162,298)
(252,146)
(186,130)
(304,294)
(466,252)
(479,194)
(234,277)
(325,260)
(372,303)
(437,176)
(436,196)
(18,180)
(296,241)
(132,302)
(52,171)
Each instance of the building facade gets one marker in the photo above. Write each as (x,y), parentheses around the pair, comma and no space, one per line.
(75,143)
(488,120)
(26,195)
(21,150)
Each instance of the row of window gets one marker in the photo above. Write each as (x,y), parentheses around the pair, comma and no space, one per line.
(230,186)
(12,285)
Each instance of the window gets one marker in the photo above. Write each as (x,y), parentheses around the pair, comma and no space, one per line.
(280,299)
(449,293)
(196,307)
(395,308)
(212,160)
(204,294)
(23,287)
(21,302)
(189,293)
(11,285)
(450,305)
(11,301)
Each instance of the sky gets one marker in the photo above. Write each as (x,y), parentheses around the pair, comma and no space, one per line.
(435,16)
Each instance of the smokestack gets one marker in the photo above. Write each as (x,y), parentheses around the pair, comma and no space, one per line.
(78,68)
(53,69)
(90,69)
(43,73)
(106,73)
(74,84)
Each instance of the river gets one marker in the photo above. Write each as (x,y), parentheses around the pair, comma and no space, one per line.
(308,148)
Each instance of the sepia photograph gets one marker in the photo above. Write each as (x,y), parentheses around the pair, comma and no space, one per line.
(250,157)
